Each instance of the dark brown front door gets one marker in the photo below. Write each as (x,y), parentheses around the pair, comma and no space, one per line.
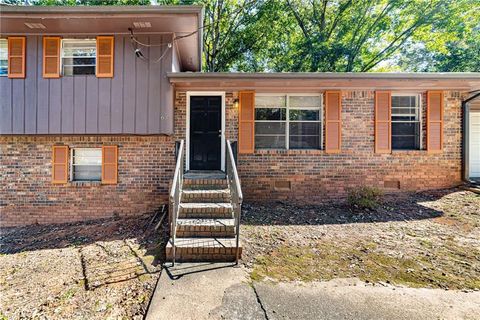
(205,132)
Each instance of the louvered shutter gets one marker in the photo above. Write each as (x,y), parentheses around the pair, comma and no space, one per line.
(51,57)
(246,124)
(109,164)
(16,57)
(383,122)
(434,121)
(60,164)
(333,121)
(105,51)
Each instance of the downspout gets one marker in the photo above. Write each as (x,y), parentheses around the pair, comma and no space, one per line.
(465,136)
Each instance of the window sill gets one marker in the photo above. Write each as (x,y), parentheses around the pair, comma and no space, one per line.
(85,183)
(417,151)
(289,151)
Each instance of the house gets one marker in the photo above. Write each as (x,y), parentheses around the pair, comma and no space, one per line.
(95,101)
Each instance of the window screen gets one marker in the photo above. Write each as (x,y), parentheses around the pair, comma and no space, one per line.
(87,164)
(287,121)
(3,57)
(406,123)
(78,56)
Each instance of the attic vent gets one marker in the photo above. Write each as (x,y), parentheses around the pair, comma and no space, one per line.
(35,25)
(140,25)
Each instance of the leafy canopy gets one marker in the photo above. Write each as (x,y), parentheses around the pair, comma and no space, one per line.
(332,35)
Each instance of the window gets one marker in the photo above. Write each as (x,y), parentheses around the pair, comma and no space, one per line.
(86,164)
(78,56)
(288,121)
(406,122)
(3,57)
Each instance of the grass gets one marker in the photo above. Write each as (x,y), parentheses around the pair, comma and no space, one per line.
(441,267)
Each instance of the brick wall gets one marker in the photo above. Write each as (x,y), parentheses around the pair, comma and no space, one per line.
(146,167)
(313,176)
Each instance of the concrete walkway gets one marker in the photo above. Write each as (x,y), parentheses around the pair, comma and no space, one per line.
(219,291)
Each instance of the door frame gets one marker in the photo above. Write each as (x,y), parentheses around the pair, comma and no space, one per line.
(222,139)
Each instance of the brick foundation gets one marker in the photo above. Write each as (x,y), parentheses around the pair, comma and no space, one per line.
(146,167)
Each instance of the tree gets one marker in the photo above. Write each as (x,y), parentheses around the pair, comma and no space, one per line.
(347,35)
(452,46)
(332,35)
(233,32)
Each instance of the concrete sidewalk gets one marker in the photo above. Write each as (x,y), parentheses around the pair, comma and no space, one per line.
(220,291)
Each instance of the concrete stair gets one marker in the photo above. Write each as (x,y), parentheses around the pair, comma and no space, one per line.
(206,224)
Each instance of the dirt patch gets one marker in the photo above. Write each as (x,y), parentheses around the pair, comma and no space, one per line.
(92,270)
(429,239)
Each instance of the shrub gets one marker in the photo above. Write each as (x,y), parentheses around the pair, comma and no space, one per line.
(364,197)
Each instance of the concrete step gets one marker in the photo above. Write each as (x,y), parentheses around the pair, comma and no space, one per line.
(205,210)
(205,228)
(203,196)
(203,249)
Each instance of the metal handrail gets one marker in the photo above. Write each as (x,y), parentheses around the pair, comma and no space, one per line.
(235,192)
(175,195)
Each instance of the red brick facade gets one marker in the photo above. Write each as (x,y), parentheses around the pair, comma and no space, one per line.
(146,166)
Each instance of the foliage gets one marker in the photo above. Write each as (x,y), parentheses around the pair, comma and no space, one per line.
(331,35)
(364,198)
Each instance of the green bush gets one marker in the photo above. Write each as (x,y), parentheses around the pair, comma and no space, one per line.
(364,197)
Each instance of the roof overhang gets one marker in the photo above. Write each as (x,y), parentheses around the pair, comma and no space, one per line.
(306,81)
(94,20)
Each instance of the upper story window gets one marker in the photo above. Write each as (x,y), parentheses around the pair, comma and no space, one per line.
(288,121)
(78,56)
(86,164)
(3,57)
(406,122)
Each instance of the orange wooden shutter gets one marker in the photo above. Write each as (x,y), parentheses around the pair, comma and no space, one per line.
(383,122)
(246,123)
(434,121)
(333,121)
(105,51)
(109,164)
(16,57)
(60,164)
(51,57)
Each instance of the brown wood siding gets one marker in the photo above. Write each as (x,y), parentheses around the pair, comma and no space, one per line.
(16,57)
(137,100)
(246,122)
(383,122)
(333,121)
(434,121)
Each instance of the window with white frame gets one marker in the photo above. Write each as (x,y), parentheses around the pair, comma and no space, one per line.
(78,56)
(406,122)
(3,57)
(86,164)
(291,121)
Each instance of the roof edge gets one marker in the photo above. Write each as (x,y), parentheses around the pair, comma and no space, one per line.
(194,9)
(323,75)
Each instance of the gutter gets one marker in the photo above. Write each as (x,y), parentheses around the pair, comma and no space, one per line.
(323,75)
(99,10)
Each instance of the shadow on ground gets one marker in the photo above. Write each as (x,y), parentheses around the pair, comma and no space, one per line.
(394,207)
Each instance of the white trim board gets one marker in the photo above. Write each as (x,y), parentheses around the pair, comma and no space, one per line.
(187,131)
